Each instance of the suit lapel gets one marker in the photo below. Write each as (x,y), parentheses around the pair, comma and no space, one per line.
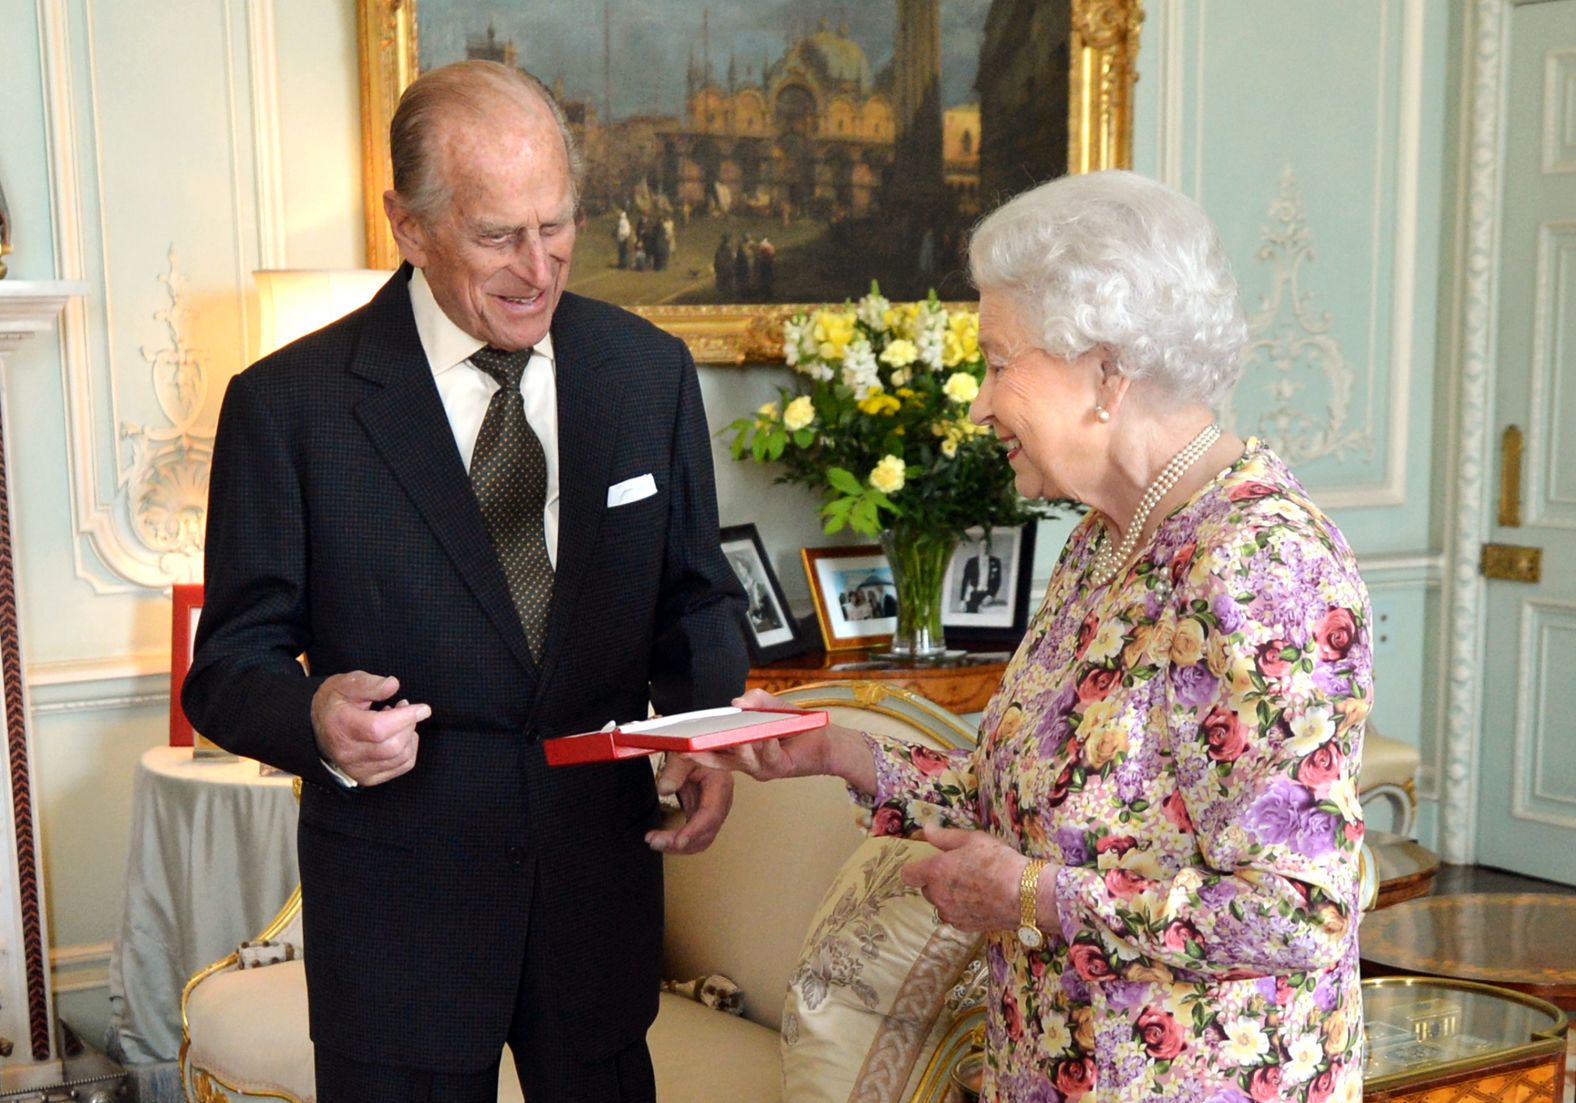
(588,427)
(407,424)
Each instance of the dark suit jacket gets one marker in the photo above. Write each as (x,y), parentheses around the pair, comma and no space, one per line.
(342,524)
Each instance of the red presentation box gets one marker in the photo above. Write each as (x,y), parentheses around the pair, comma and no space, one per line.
(704,730)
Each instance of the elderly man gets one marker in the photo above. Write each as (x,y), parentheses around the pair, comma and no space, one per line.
(483,509)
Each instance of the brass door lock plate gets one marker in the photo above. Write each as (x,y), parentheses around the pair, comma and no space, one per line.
(1512,562)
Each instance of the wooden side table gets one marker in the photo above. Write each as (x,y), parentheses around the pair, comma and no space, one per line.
(1516,940)
(960,683)
(1406,867)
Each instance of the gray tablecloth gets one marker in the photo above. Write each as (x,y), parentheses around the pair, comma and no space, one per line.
(212,859)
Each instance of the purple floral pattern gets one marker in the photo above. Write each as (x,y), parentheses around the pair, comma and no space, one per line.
(1184,743)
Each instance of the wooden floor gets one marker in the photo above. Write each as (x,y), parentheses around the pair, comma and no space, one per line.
(1457,879)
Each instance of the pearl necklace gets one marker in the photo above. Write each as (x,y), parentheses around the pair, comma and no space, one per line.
(1108,561)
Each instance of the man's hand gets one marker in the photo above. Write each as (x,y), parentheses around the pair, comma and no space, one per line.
(973,882)
(370,745)
(705,795)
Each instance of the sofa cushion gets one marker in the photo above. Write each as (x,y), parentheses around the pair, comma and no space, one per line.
(706,1056)
(249,1028)
(866,1004)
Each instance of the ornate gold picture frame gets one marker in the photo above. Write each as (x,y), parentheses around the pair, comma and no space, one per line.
(1099,42)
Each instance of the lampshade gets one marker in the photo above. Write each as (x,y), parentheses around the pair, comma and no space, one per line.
(293,303)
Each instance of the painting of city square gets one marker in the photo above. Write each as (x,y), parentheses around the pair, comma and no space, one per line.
(783,150)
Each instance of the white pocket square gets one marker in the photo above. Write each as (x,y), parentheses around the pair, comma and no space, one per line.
(631,490)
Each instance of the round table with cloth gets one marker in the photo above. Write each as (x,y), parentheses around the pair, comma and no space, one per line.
(211,858)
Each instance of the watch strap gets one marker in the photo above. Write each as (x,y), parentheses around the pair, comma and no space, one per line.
(1028,893)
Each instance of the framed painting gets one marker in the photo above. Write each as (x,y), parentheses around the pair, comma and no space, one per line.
(749,160)
(987,585)
(854,595)
(771,630)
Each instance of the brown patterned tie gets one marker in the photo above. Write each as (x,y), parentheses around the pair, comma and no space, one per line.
(509,473)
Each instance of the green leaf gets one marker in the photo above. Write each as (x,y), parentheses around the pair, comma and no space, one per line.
(841,479)
(804,437)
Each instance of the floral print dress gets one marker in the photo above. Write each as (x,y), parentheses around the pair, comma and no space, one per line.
(1184,744)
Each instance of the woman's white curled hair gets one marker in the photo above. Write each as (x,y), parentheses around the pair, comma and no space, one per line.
(1113,258)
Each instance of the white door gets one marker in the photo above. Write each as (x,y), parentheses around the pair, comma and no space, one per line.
(1527,754)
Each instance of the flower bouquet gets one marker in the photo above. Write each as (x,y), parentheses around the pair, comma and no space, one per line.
(880,426)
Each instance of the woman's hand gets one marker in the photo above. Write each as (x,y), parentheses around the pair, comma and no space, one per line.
(973,882)
(841,752)
(768,759)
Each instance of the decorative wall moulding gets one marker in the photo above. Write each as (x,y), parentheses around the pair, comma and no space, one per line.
(1294,356)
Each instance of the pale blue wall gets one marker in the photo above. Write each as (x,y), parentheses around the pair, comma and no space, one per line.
(163,119)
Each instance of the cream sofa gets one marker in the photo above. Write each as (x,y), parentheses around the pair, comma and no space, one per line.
(881,998)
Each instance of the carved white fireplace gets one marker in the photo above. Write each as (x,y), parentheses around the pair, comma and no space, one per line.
(27,1036)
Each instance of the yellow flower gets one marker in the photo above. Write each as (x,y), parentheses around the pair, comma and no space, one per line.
(900,354)
(949,448)
(800,412)
(961,343)
(888,475)
(1103,745)
(905,392)
(1187,645)
(878,404)
(767,412)
(832,331)
(961,387)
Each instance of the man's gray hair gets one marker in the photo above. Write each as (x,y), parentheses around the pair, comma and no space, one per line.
(471,87)
(1113,258)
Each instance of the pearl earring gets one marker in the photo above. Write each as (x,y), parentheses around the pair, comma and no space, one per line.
(1101,414)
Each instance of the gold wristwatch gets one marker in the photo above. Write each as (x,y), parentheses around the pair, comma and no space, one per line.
(1029,932)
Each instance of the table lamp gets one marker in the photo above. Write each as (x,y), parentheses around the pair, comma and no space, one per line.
(294,302)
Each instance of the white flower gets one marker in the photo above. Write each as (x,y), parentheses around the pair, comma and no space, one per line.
(860,372)
(796,340)
(901,377)
(1246,1042)
(1305,1053)
(1055,1037)
(961,387)
(873,312)
(1107,642)
(888,475)
(1310,731)
(932,346)
(1343,793)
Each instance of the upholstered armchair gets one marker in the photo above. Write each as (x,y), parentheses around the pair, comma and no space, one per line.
(792,900)
(1389,773)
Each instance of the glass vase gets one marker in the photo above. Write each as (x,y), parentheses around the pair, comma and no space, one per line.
(919,572)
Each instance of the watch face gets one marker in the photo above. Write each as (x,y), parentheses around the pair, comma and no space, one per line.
(1032,937)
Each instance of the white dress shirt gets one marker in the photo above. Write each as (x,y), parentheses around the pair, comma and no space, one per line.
(466,390)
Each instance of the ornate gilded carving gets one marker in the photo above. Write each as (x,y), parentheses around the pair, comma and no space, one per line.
(165,476)
(204,1090)
(1293,346)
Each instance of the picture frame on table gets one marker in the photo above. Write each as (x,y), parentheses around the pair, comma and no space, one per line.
(854,594)
(986,594)
(813,131)
(770,628)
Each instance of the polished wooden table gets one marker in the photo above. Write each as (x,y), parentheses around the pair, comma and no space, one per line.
(961,682)
(1524,941)
(1406,868)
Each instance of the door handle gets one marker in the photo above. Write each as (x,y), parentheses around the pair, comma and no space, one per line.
(1510,448)
(1511,562)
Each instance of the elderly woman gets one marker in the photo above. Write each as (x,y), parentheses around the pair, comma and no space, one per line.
(1159,828)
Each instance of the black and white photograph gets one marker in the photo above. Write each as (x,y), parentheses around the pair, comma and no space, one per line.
(855,597)
(772,633)
(988,582)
